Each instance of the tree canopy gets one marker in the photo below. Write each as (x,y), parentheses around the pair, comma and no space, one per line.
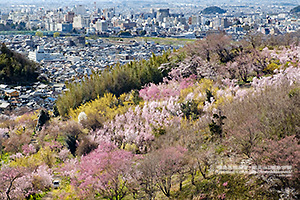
(15,68)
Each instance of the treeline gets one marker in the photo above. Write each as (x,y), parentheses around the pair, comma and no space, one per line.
(258,39)
(15,68)
(116,79)
(219,56)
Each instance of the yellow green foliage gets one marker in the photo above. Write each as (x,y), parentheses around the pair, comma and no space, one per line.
(28,116)
(271,67)
(107,106)
(4,157)
(131,147)
(116,79)
(200,92)
(43,156)
(28,119)
(198,89)
(66,192)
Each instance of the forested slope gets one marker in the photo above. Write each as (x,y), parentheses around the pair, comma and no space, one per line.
(217,119)
(15,68)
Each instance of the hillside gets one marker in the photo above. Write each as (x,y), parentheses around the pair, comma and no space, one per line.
(295,10)
(213,10)
(217,119)
(15,68)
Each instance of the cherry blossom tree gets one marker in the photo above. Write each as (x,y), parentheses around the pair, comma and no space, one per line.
(139,126)
(104,172)
(15,183)
(171,162)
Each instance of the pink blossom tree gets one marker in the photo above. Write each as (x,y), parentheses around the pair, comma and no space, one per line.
(104,172)
(140,125)
(21,182)
(167,89)
(171,162)
(283,152)
(14,183)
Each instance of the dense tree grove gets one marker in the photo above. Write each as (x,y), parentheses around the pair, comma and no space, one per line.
(15,68)
(217,119)
(115,79)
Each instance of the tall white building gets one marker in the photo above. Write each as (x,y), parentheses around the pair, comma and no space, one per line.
(101,25)
(195,20)
(81,22)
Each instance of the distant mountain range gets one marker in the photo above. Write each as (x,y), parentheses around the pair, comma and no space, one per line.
(296,10)
(213,10)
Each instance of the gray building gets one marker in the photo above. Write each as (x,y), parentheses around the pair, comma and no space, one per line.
(162,13)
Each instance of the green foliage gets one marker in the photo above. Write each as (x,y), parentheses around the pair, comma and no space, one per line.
(159,131)
(213,10)
(209,95)
(135,97)
(14,68)
(295,92)
(36,196)
(43,117)
(190,109)
(56,34)
(215,126)
(39,34)
(116,80)
(4,158)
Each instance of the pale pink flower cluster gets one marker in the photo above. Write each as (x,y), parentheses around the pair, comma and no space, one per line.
(167,89)
(44,174)
(16,156)
(3,131)
(69,168)
(291,54)
(137,126)
(64,154)
(290,75)
(28,149)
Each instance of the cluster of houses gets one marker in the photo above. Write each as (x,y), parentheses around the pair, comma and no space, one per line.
(67,58)
(32,97)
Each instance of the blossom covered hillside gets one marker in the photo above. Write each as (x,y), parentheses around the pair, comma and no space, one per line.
(222,124)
